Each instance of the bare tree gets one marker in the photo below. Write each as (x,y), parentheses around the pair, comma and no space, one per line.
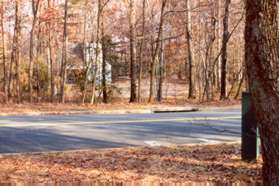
(219,43)
(105,46)
(97,51)
(51,55)
(133,94)
(156,50)
(86,63)
(3,52)
(15,54)
(224,50)
(101,5)
(161,70)
(208,61)
(189,59)
(64,53)
(141,49)
(35,8)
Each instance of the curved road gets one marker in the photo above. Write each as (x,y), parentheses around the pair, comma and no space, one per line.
(58,133)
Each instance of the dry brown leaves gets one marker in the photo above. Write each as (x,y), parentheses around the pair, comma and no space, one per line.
(212,163)
(55,108)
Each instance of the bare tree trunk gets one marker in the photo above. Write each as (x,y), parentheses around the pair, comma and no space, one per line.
(85,53)
(93,94)
(161,70)
(51,59)
(261,55)
(17,76)
(219,32)
(206,73)
(3,54)
(104,64)
(209,63)
(101,5)
(224,51)
(38,53)
(141,49)
(64,53)
(10,79)
(97,51)
(35,8)
(133,94)
(189,59)
(15,54)
(155,55)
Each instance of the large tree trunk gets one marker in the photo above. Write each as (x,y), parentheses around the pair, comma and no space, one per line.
(3,51)
(262,53)
(224,50)
(64,54)
(132,23)
(189,59)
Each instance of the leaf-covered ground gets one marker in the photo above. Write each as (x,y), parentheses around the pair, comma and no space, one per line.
(116,106)
(211,163)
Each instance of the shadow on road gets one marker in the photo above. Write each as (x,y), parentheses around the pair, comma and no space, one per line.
(15,140)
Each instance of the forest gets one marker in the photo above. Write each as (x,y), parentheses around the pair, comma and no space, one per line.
(88,51)
(146,51)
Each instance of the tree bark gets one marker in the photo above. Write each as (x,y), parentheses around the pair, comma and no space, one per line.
(64,54)
(219,33)
(141,49)
(85,62)
(209,62)
(4,54)
(189,59)
(97,51)
(133,94)
(51,58)
(15,54)
(104,64)
(38,53)
(35,8)
(161,70)
(261,55)
(155,54)
(224,51)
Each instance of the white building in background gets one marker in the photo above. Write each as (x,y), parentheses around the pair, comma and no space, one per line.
(91,63)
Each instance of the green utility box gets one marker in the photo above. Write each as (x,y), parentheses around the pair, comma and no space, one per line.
(250,147)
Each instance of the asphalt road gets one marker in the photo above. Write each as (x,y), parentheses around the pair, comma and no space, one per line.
(57,133)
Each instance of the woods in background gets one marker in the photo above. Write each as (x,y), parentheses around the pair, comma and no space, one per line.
(77,50)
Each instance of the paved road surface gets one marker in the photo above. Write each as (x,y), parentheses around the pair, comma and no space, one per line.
(56,133)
